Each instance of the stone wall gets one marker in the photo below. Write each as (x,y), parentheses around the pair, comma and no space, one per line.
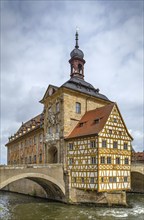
(105,198)
(27,187)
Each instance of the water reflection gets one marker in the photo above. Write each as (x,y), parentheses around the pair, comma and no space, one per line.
(20,207)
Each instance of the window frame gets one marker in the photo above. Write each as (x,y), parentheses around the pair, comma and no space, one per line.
(78,108)
(104,143)
(117,160)
(115,145)
(70,146)
(102,159)
(109,160)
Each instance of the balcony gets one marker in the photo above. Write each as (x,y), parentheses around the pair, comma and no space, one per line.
(51,137)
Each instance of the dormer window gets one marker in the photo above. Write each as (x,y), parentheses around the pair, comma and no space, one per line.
(81,124)
(97,120)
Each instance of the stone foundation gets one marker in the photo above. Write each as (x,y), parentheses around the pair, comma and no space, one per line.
(105,198)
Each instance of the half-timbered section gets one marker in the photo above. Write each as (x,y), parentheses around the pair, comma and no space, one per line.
(114,153)
(82,162)
(99,151)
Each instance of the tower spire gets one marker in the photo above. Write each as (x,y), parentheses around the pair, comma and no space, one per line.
(76,46)
(77,62)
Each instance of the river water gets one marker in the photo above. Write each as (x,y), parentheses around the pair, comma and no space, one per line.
(20,207)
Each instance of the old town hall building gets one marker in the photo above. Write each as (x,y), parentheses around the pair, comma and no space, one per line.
(81,129)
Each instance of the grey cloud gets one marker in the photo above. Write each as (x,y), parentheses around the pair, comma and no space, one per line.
(37,38)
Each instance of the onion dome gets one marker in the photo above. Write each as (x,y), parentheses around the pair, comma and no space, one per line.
(77,52)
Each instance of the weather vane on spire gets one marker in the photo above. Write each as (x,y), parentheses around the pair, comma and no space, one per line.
(77,46)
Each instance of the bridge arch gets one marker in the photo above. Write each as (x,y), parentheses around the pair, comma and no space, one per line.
(52,187)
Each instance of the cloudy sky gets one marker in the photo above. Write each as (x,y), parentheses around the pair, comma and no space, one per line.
(36,40)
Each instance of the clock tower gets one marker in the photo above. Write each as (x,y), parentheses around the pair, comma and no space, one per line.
(77,62)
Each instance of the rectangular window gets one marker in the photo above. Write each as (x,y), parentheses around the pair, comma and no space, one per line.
(75,180)
(102,160)
(70,146)
(115,144)
(110,179)
(34,158)
(35,139)
(82,180)
(30,141)
(40,158)
(104,143)
(30,159)
(120,133)
(108,160)
(93,160)
(114,179)
(78,107)
(126,160)
(125,146)
(49,130)
(110,131)
(115,120)
(40,138)
(71,160)
(125,179)
(117,160)
(92,180)
(92,144)
(57,128)
(57,107)
(102,179)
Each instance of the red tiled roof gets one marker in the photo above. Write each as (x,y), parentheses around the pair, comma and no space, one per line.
(87,124)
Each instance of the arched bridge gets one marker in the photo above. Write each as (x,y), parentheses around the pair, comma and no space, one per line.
(137,177)
(50,177)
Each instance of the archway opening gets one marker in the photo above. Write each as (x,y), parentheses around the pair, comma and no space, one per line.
(53,155)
